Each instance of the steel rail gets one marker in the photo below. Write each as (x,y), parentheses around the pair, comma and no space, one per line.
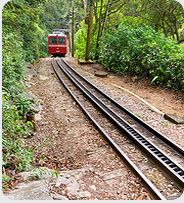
(159,135)
(154,192)
(173,169)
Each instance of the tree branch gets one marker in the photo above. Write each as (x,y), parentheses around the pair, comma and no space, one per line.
(116,9)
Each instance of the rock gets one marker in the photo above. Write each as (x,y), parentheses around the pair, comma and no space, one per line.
(93,187)
(36,190)
(69,178)
(174,118)
(173,196)
(76,173)
(43,77)
(38,114)
(46,175)
(58,197)
(28,65)
(112,174)
(84,194)
(30,96)
(83,62)
(36,107)
(29,84)
(41,189)
(29,71)
(101,74)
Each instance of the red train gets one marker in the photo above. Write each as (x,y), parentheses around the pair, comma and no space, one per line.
(57,42)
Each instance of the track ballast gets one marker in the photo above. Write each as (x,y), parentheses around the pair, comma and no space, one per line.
(114,111)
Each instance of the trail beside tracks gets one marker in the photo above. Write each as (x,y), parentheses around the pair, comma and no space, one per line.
(68,141)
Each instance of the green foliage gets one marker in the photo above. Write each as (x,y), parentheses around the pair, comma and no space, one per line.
(21,18)
(5,180)
(135,49)
(21,38)
(24,38)
(38,173)
(143,51)
(12,61)
(12,129)
(16,156)
(165,16)
(13,105)
(80,41)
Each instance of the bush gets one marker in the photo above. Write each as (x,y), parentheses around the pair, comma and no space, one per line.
(17,46)
(143,51)
(14,106)
(13,128)
(80,41)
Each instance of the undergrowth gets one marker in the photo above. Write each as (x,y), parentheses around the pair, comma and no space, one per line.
(143,51)
(19,44)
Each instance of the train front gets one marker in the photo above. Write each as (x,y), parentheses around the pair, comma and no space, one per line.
(57,43)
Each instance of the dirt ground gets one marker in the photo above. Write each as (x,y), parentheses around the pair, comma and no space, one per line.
(65,139)
(166,100)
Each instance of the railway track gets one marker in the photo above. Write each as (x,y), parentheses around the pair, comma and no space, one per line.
(125,121)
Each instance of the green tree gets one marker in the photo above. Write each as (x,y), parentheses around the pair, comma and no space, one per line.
(164,15)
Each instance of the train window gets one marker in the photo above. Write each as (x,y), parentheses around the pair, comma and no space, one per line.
(53,40)
(61,40)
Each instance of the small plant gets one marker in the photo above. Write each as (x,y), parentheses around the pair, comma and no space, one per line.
(23,105)
(140,116)
(30,113)
(38,173)
(5,180)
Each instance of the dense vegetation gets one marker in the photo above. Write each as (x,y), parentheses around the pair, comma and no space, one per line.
(20,43)
(139,37)
(25,27)
(143,51)
(127,36)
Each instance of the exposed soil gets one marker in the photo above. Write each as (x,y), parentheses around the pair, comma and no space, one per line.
(171,98)
(166,100)
(65,139)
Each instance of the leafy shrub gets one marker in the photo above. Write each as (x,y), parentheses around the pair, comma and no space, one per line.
(14,106)
(24,38)
(143,51)
(14,53)
(80,41)
(12,129)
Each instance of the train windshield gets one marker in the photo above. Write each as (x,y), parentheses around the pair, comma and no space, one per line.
(61,40)
(53,40)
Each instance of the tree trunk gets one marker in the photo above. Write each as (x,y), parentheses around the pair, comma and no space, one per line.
(99,32)
(90,21)
(72,31)
(176,30)
(85,5)
(105,19)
